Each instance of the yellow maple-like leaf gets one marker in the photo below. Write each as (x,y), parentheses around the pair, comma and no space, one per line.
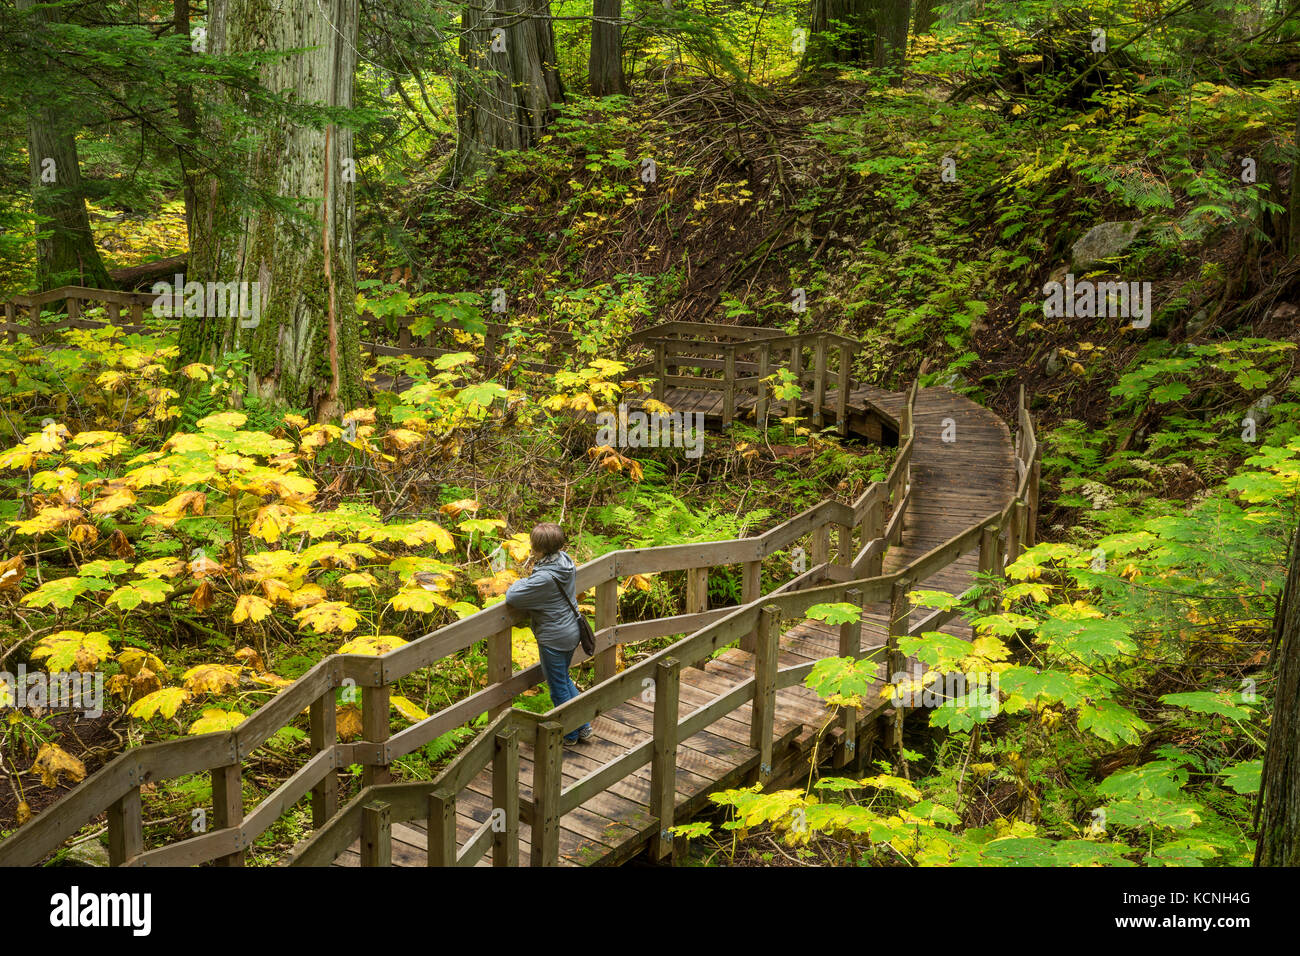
(519,546)
(216,720)
(372,645)
(53,763)
(403,438)
(329,616)
(211,678)
(362,579)
(452,508)
(223,420)
(347,720)
(297,421)
(407,708)
(307,595)
(46,520)
(523,647)
(117,499)
(495,585)
(419,600)
(160,567)
(250,607)
(164,702)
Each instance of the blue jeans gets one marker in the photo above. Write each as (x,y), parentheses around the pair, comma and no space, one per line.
(555,665)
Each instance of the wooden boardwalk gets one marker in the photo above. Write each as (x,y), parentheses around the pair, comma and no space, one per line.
(954,485)
(723,706)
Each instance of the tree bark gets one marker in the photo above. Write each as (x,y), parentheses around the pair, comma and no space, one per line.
(513,80)
(1279,797)
(67,255)
(860,32)
(925,17)
(305,347)
(605,67)
(187,116)
(1293,206)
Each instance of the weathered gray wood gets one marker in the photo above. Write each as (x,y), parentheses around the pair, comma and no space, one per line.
(324,734)
(505,796)
(606,617)
(375,726)
(228,806)
(751,589)
(761,726)
(663,766)
(125,827)
(547,781)
(376,835)
(442,828)
(500,665)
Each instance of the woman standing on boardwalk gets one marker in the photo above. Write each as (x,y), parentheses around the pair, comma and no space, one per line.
(549,595)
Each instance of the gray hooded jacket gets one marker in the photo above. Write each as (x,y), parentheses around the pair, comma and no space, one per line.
(553,621)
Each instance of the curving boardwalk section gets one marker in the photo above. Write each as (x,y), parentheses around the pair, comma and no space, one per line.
(955,484)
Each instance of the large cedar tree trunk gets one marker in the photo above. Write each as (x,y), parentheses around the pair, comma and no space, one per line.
(1279,806)
(306,346)
(67,256)
(505,100)
(605,67)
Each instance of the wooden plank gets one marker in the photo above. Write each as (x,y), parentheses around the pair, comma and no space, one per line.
(764,709)
(441,834)
(547,751)
(125,828)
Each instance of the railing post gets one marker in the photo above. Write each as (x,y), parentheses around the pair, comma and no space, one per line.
(375,727)
(763,714)
(988,550)
(1014,530)
(11,319)
(606,661)
(729,386)
(500,664)
(764,361)
(873,527)
(821,544)
(899,613)
(228,807)
(125,828)
(74,307)
(661,369)
(850,646)
(1031,524)
(547,756)
(137,313)
(819,381)
(751,588)
(442,828)
(663,767)
(697,598)
(842,400)
(843,544)
(796,366)
(376,834)
(505,797)
(324,735)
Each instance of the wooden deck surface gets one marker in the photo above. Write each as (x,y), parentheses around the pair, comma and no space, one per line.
(954,485)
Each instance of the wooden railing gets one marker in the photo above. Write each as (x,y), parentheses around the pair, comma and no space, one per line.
(738,361)
(76,298)
(757,625)
(875,518)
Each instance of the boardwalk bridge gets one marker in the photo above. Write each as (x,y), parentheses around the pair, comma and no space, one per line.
(723,706)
